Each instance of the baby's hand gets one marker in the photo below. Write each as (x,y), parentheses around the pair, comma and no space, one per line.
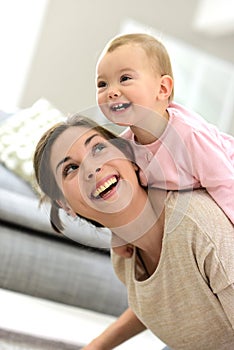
(125,251)
(143,179)
(121,247)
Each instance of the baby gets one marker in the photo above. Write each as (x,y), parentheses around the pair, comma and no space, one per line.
(175,148)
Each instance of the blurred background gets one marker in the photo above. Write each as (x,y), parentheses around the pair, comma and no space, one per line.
(49,48)
(48,54)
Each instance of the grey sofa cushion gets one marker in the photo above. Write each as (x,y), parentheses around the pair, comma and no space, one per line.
(24,211)
(19,205)
(56,270)
(12,182)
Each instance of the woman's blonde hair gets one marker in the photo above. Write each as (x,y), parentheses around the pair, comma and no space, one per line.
(154,49)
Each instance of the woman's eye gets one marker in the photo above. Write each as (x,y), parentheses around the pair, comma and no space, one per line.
(101,84)
(124,78)
(69,169)
(98,147)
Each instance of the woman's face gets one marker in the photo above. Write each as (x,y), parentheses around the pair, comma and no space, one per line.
(96,179)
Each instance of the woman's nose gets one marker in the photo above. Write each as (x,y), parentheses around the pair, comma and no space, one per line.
(91,173)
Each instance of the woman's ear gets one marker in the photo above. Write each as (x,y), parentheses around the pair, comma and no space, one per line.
(65,206)
(166,87)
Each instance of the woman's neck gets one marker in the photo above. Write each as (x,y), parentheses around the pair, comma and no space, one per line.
(150,248)
(145,223)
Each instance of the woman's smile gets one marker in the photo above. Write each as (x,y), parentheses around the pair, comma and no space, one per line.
(106,187)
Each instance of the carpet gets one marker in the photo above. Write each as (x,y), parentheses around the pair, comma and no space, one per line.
(18,341)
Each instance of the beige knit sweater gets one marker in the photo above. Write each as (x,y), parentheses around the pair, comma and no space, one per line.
(188,302)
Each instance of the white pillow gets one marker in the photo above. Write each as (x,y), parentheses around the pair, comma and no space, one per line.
(20,133)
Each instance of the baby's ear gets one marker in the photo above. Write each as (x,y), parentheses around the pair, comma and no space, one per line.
(65,206)
(166,87)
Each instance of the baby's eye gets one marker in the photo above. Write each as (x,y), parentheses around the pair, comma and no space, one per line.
(69,169)
(98,147)
(101,84)
(125,78)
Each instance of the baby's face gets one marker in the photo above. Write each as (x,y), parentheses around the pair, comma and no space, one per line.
(127,86)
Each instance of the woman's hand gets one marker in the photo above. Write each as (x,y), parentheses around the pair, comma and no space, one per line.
(124,328)
(95,345)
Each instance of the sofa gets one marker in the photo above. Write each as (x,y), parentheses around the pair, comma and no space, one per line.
(73,268)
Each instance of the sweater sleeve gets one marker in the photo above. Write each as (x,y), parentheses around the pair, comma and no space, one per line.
(226,298)
(214,169)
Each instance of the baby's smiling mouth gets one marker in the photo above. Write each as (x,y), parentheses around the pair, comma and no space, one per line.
(105,188)
(120,107)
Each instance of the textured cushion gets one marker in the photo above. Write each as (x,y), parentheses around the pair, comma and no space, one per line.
(24,211)
(20,133)
(12,182)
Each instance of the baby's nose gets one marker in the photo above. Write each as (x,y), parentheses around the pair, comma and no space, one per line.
(114,93)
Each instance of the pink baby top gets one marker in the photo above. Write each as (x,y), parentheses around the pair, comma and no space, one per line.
(191,153)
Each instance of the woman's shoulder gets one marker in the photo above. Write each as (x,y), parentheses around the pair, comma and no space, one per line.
(203,232)
(197,209)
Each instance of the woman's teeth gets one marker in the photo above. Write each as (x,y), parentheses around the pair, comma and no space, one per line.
(105,186)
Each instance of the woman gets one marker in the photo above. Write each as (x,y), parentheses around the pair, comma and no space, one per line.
(180,277)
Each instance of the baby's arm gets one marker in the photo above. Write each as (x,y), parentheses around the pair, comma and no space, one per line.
(213,165)
(124,328)
(202,159)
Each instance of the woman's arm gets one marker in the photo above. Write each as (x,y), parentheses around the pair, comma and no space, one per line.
(124,328)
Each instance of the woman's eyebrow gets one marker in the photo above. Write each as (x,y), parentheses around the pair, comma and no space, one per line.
(61,162)
(87,141)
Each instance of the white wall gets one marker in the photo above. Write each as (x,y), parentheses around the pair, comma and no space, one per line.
(218,21)
(203,82)
(20,24)
(61,64)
